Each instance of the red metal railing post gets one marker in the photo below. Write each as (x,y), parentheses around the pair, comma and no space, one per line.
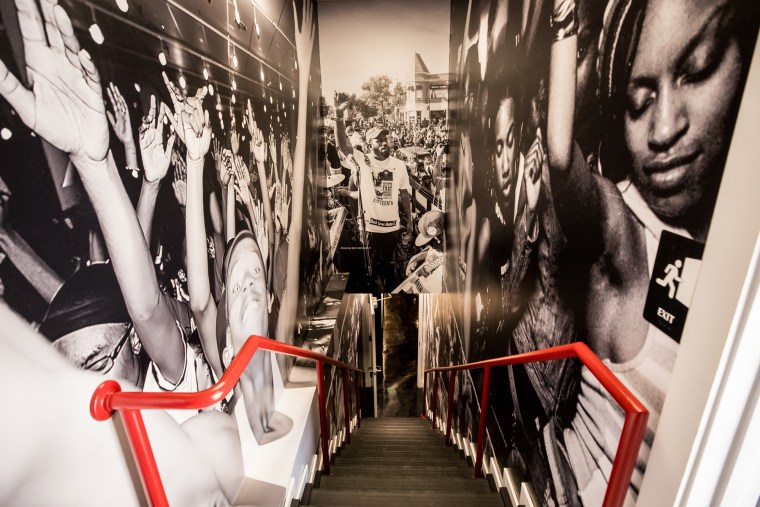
(482,423)
(435,398)
(625,458)
(424,395)
(452,377)
(323,416)
(346,406)
(138,441)
(358,400)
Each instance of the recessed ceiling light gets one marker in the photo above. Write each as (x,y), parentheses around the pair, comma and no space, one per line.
(205,73)
(162,58)
(123,5)
(235,61)
(137,88)
(182,81)
(6,134)
(211,89)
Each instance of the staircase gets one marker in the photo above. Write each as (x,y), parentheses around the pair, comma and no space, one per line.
(400,461)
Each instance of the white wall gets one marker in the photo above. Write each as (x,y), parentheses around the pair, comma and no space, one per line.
(726,261)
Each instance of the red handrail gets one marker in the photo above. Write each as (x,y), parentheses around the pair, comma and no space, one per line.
(633,427)
(108,397)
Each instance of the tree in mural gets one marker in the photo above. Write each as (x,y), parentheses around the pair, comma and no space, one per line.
(379,93)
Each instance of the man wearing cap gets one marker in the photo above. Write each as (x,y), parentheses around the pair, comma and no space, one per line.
(383,181)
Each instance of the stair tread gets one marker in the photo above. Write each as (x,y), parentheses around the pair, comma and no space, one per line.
(399,462)
(403,470)
(359,498)
(396,461)
(403,483)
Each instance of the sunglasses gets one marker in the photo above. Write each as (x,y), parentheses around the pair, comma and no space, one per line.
(104,364)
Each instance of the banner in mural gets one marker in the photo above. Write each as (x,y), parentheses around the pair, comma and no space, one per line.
(585,136)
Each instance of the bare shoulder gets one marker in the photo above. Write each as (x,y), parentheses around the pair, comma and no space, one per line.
(215,435)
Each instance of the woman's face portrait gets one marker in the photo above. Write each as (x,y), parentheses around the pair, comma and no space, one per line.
(246,293)
(504,155)
(679,105)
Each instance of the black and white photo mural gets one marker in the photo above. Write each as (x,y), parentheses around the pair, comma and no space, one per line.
(588,140)
(161,197)
(386,140)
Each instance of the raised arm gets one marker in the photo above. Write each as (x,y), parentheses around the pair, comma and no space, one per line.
(562,71)
(344,144)
(122,126)
(65,107)
(156,159)
(193,120)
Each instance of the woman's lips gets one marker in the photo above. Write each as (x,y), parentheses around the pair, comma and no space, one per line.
(669,173)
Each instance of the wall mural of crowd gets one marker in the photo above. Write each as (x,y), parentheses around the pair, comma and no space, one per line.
(587,150)
(160,187)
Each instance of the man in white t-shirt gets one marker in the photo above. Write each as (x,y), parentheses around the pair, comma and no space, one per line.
(383,182)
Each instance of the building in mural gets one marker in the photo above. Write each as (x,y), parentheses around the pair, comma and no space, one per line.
(426,95)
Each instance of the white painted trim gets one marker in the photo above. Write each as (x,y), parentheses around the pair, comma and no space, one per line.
(314,467)
(512,484)
(495,473)
(725,263)
(289,492)
(527,497)
(731,407)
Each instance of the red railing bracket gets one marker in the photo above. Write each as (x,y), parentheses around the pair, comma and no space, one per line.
(100,403)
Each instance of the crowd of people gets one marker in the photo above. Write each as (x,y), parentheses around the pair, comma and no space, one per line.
(372,177)
(125,313)
(583,132)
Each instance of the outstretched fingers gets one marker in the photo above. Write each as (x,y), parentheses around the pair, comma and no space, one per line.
(20,99)
(51,26)
(70,41)
(90,71)
(31,25)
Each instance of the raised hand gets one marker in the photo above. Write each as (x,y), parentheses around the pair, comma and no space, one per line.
(227,170)
(260,230)
(196,126)
(287,158)
(282,209)
(534,164)
(241,171)
(119,119)
(258,146)
(234,140)
(340,107)
(65,103)
(273,151)
(180,192)
(178,100)
(191,122)
(250,120)
(156,158)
